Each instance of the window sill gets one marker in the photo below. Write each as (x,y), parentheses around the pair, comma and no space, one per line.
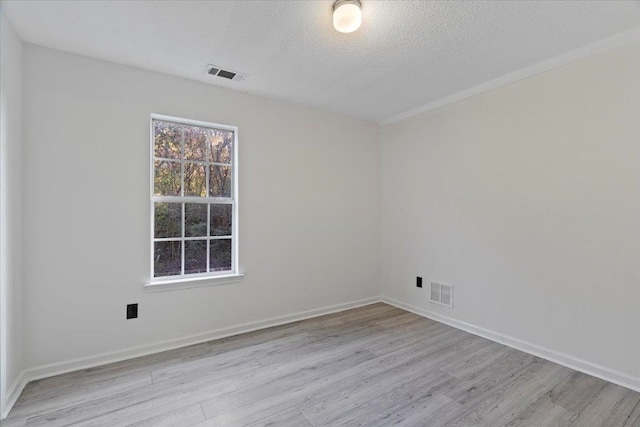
(195,282)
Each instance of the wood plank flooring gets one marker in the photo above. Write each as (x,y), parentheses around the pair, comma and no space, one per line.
(371,366)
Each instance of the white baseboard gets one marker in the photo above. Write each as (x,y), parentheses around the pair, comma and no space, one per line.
(44,371)
(575,363)
(12,394)
(52,369)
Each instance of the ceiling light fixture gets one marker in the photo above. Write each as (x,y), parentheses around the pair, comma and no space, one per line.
(347,15)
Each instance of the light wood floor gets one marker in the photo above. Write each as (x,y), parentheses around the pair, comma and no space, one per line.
(371,366)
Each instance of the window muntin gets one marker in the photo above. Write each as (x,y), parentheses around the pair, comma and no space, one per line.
(194,199)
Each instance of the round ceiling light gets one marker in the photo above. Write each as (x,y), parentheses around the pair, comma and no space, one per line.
(347,15)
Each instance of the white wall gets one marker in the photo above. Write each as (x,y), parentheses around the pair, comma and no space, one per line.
(309,213)
(10,209)
(527,200)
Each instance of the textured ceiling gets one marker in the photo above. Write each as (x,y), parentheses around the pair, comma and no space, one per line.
(405,55)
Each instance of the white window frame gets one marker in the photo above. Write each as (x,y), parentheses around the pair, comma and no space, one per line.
(196,279)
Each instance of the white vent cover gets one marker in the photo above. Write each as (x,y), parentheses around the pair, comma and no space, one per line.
(441,294)
(227,74)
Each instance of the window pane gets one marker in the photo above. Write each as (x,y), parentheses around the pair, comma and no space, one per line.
(168,220)
(192,162)
(167,259)
(220,220)
(220,255)
(167,178)
(195,219)
(167,139)
(195,143)
(195,180)
(220,181)
(220,146)
(195,256)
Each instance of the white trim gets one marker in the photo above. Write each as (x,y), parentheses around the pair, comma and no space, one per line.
(198,162)
(190,122)
(572,362)
(186,239)
(12,395)
(611,42)
(52,369)
(193,199)
(184,280)
(193,282)
(49,370)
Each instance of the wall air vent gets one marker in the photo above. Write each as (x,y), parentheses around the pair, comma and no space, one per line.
(214,70)
(441,294)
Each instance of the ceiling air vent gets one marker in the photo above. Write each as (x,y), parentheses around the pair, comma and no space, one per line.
(441,294)
(214,70)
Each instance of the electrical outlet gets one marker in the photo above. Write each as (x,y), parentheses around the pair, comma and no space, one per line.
(132,311)
(419,282)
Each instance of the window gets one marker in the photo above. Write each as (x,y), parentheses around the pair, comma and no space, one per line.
(194,200)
